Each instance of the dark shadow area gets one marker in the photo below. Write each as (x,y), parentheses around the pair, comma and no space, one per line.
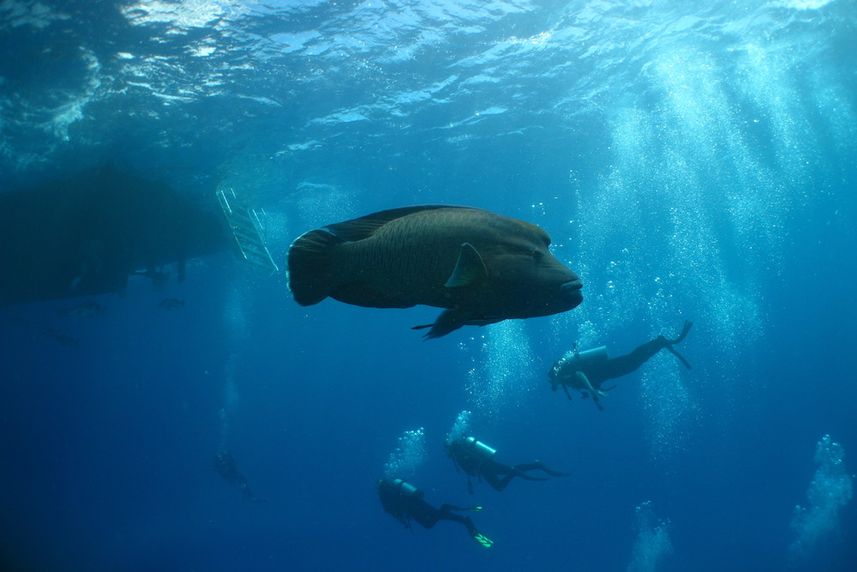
(86,234)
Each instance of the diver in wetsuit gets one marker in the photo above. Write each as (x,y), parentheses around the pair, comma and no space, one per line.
(588,370)
(405,502)
(225,465)
(478,460)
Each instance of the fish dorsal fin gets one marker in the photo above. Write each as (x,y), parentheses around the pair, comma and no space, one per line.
(468,270)
(366,226)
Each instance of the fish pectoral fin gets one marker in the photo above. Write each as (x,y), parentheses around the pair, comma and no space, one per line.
(469,269)
(448,321)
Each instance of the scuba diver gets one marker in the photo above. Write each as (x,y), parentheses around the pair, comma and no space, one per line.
(225,465)
(477,460)
(588,370)
(405,502)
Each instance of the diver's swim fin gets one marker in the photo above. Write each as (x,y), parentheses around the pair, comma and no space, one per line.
(483,540)
(684,330)
(680,357)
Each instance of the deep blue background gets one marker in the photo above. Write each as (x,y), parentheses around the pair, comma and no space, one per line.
(689,164)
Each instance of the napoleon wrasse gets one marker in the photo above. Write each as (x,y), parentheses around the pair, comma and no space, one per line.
(480,266)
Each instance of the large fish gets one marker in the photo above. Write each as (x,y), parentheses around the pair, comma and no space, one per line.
(480,266)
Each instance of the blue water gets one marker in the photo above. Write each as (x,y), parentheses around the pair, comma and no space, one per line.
(689,162)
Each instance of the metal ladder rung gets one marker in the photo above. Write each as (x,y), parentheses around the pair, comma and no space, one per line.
(246,228)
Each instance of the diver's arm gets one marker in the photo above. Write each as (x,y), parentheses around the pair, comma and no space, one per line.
(594,393)
(581,377)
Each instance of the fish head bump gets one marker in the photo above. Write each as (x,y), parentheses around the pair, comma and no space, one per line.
(528,280)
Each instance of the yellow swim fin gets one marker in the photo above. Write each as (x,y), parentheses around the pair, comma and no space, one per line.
(483,540)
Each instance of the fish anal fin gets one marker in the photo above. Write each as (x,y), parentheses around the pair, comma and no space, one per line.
(469,269)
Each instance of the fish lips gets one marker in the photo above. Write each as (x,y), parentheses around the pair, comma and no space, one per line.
(571,291)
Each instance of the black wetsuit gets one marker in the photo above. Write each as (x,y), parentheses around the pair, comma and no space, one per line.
(599,369)
(406,503)
(477,460)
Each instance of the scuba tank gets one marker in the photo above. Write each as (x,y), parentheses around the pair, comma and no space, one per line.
(405,488)
(572,361)
(481,447)
(588,356)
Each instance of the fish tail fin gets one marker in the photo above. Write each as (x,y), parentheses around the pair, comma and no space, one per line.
(311,266)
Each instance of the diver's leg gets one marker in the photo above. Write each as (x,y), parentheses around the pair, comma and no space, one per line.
(447,513)
(499,482)
(527,477)
(518,471)
(427,515)
(623,365)
(521,471)
(498,475)
(628,363)
(539,466)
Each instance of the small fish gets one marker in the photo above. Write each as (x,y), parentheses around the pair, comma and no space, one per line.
(171,304)
(84,310)
(481,267)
